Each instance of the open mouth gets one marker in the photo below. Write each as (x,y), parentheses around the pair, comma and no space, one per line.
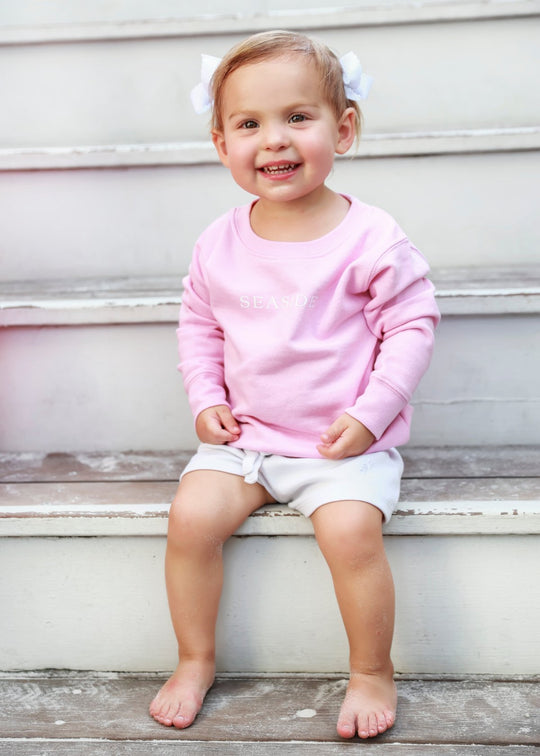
(276,170)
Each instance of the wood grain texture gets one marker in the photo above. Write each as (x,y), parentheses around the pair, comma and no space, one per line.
(420,462)
(244,748)
(460,290)
(444,490)
(242,710)
(123,497)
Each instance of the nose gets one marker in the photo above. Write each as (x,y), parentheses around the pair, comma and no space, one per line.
(275,136)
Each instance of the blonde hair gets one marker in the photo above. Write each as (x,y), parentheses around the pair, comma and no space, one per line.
(277,44)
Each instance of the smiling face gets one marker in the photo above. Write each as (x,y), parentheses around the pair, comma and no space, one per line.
(279,136)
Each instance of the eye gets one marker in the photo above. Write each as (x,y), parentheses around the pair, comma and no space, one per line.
(249,125)
(297,118)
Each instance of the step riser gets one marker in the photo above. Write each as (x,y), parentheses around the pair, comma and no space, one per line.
(116,388)
(100,603)
(105,92)
(79,20)
(145,221)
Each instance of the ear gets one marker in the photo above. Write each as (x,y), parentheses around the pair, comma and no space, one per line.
(346,131)
(218,138)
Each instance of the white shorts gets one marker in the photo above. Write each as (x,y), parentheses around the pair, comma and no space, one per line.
(307,484)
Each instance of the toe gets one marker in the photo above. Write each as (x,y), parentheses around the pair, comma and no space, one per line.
(155,711)
(363,726)
(162,718)
(185,716)
(168,714)
(382,724)
(155,706)
(346,725)
(390,717)
(373,725)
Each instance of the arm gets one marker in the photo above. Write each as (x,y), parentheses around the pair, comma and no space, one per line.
(402,314)
(200,343)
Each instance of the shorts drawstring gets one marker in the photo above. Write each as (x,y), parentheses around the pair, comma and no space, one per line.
(251,464)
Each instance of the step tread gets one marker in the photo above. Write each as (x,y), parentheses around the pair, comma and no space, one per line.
(202,152)
(233,748)
(444,491)
(107,24)
(420,462)
(459,290)
(262,711)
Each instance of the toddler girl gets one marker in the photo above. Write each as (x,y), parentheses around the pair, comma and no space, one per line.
(306,324)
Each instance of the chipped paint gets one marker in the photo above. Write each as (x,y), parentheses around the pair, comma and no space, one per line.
(306,713)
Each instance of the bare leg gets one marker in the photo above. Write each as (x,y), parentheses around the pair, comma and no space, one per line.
(209,506)
(350,537)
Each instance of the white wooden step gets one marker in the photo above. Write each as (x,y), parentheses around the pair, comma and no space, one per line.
(55,21)
(82,546)
(372,145)
(460,291)
(451,491)
(130,84)
(76,714)
(127,218)
(90,355)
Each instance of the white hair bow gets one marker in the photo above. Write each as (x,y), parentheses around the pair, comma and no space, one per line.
(357,84)
(201,97)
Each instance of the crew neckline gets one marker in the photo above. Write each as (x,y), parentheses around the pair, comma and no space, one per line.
(277,249)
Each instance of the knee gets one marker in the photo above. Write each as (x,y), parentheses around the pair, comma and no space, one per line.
(191,526)
(354,542)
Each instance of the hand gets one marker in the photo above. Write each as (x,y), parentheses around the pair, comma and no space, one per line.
(346,437)
(216,425)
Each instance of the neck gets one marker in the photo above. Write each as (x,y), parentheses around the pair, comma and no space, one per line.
(299,220)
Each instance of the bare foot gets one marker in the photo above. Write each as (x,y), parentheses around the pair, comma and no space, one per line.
(181,698)
(369,707)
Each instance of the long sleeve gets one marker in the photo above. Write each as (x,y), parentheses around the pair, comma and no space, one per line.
(402,314)
(200,343)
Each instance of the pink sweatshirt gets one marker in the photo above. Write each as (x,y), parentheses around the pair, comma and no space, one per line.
(292,334)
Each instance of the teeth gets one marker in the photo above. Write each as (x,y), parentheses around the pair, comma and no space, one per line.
(278,168)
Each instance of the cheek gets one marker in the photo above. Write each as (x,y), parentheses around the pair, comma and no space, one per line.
(240,154)
(321,155)
(319,145)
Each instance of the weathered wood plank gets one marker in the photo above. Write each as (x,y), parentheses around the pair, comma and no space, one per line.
(471,461)
(157,748)
(420,462)
(275,709)
(437,506)
(93,466)
(460,290)
(152,499)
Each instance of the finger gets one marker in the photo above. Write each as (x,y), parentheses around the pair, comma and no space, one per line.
(333,433)
(227,421)
(331,452)
(336,450)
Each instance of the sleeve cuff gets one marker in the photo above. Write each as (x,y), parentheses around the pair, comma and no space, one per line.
(378,406)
